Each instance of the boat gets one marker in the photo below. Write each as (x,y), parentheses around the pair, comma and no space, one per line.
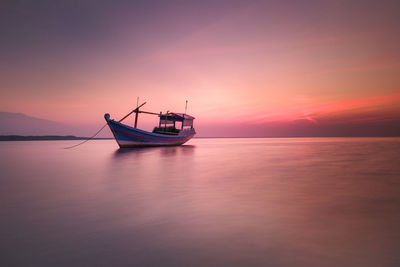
(168,132)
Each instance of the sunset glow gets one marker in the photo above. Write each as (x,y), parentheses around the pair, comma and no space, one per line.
(264,65)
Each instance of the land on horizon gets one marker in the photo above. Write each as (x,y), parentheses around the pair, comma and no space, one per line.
(71,137)
(45,138)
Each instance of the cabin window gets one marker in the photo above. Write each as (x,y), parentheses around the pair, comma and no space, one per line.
(188,122)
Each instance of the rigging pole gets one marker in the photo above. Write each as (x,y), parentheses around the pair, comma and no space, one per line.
(137,111)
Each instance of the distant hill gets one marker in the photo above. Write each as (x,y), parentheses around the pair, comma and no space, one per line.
(43,138)
(21,124)
(38,138)
(18,124)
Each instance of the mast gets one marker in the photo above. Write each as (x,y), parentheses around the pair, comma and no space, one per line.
(186,106)
(137,111)
(183,121)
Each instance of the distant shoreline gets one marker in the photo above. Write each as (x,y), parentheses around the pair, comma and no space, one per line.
(72,137)
(45,138)
(288,137)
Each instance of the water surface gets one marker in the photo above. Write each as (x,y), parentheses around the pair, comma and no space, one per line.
(212,202)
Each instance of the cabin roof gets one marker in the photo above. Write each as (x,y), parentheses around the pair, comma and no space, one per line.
(183,116)
(177,116)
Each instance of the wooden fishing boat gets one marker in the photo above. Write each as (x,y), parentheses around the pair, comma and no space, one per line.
(166,134)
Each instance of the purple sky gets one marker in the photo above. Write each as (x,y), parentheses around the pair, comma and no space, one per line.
(248,68)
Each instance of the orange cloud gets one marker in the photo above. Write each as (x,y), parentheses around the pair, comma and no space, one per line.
(374,108)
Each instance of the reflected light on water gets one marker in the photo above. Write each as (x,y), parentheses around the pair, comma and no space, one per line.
(213,202)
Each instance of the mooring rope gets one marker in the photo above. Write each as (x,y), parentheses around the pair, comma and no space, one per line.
(88,138)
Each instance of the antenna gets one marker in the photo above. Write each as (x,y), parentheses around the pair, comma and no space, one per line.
(137,102)
(186,107)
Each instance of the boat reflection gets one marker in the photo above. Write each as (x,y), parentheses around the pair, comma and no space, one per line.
(160,151)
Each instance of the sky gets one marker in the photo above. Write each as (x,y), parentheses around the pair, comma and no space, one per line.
(247,68)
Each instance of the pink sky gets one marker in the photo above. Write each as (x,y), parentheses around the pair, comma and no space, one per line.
(252,64)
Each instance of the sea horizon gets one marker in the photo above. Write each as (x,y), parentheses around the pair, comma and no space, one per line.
(73,137)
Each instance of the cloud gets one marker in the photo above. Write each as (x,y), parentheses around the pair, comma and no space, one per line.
(359,68)
(372,107)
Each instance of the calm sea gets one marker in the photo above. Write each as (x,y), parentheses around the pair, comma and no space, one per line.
(212,202)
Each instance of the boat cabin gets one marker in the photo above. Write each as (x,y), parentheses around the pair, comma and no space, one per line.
(172,123)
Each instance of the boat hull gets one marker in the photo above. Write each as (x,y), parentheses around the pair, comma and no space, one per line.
(127,136)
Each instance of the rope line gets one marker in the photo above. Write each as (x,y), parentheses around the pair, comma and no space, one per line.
(88,138)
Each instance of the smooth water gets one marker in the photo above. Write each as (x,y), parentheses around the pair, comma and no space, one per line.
(212,202)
